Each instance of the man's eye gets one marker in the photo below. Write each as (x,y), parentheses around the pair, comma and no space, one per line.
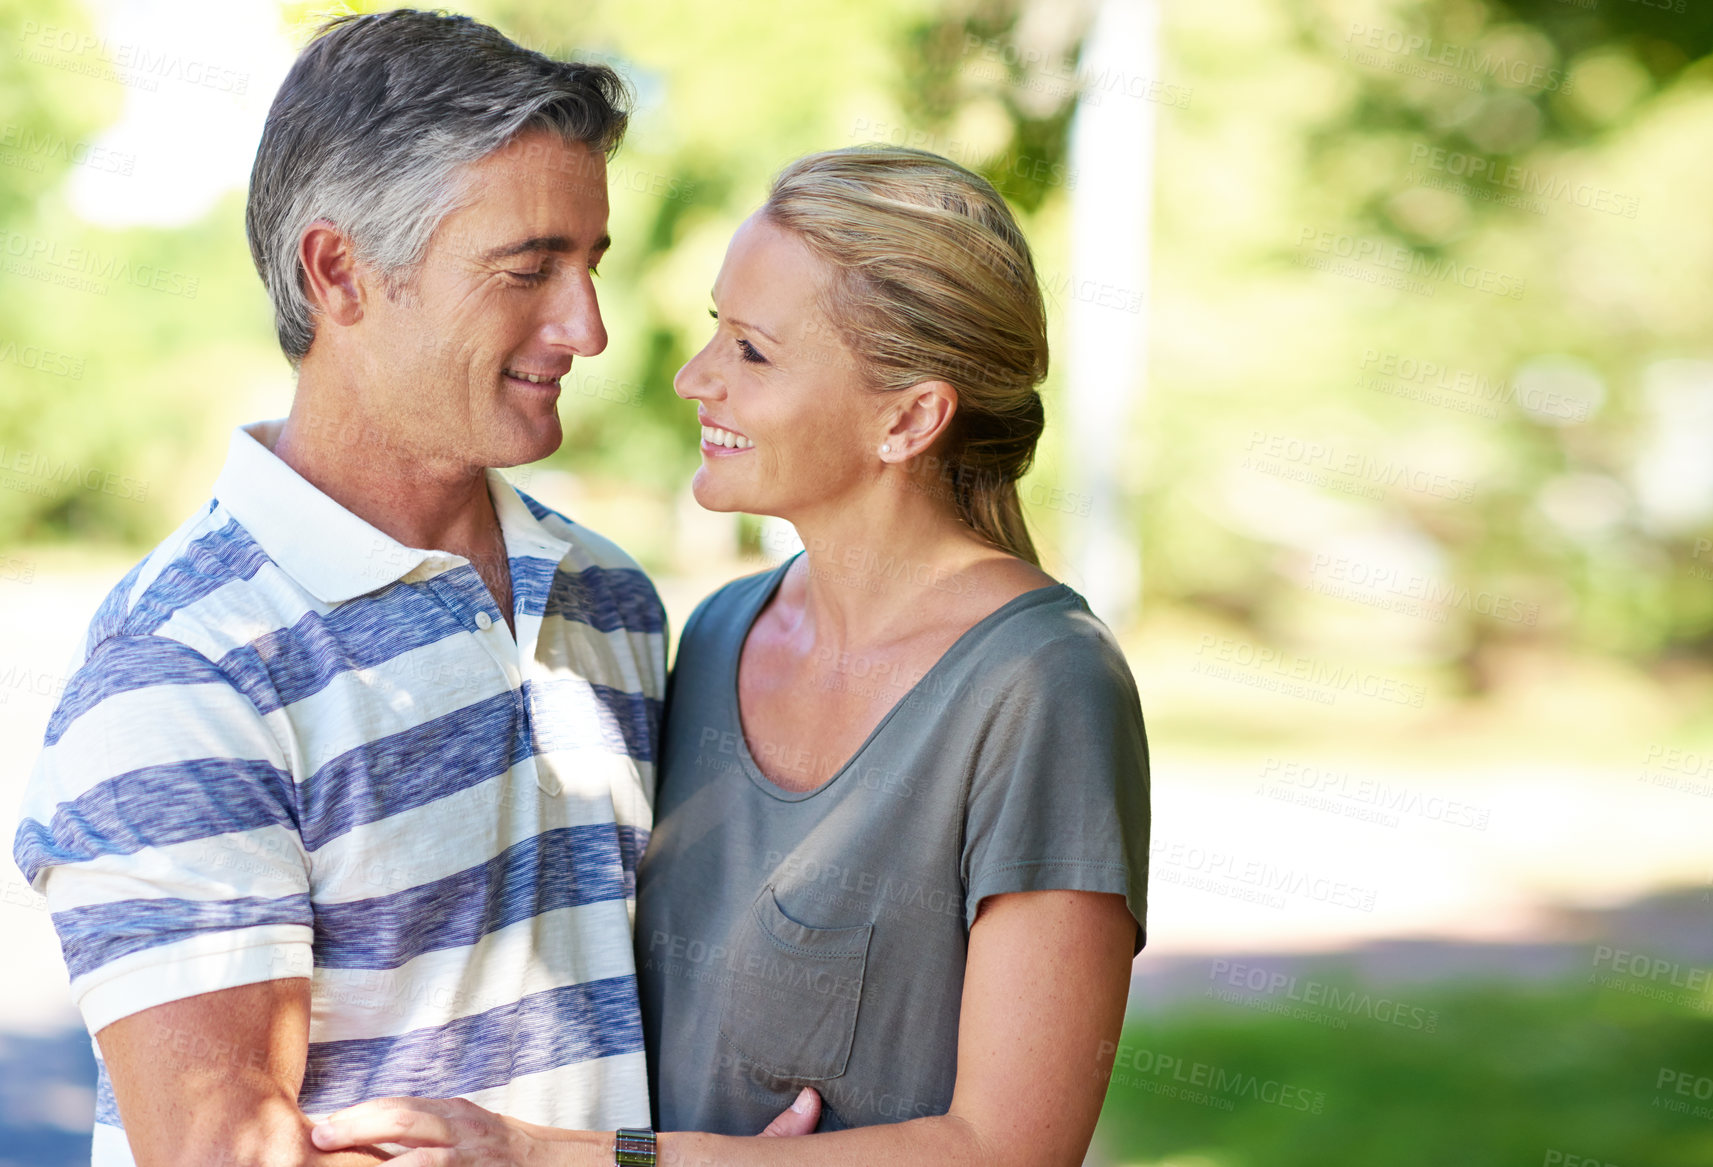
(750,354)
(528,277)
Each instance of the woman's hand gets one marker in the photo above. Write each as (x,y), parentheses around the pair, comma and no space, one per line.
(443,1132)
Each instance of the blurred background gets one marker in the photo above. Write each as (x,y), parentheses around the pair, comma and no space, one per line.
(1380,430)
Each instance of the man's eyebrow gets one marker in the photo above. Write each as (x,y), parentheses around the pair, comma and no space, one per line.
(559,243)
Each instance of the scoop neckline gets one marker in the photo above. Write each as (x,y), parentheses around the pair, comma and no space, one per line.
(753,771)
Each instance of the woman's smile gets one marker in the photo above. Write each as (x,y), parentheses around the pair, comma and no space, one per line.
(720,443)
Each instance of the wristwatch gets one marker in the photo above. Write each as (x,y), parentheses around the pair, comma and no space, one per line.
(634,1147)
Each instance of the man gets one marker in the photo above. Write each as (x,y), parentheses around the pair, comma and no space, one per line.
(346,797)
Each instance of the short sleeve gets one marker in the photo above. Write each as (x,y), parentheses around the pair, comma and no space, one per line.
(1058,795)
(161,824)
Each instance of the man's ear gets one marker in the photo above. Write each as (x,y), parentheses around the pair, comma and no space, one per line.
(920,414)
(330,273)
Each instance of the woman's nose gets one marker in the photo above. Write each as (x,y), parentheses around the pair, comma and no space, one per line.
(692,382)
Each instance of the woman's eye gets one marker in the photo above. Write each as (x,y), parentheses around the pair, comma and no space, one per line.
(746,350)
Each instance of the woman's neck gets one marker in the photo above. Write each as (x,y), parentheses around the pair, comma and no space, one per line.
(878,571)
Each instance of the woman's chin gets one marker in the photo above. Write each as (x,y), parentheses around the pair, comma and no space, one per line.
(710,496)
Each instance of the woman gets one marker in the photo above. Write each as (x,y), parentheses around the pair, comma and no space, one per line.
(901,837)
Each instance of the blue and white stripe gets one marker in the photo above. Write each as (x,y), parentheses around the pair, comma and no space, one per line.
(295,747)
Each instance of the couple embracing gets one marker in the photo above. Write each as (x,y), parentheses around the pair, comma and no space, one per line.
(372,823)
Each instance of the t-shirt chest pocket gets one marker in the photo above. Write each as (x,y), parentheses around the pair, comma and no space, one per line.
(791,1007)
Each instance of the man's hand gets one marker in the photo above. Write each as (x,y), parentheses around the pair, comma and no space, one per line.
(453,1132)
(803,1116)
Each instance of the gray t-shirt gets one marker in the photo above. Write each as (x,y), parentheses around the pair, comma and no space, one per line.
(819,938)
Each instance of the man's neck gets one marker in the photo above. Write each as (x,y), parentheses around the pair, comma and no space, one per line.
(412,494)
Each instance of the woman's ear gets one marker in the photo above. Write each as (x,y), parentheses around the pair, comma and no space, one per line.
(330,273)
(919,415)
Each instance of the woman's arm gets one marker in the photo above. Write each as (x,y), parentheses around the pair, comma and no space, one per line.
(1043,1002)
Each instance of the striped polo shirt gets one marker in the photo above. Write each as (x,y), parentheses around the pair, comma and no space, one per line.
(293,746)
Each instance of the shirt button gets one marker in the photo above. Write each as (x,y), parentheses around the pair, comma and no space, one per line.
(484,621)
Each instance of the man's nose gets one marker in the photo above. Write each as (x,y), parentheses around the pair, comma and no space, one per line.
(576,320)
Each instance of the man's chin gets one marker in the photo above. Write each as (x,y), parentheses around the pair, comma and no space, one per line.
(528,443)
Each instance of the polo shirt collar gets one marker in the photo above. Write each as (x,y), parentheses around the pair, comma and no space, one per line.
(334,554)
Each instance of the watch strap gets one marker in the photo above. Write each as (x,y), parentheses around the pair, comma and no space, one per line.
(634,1147)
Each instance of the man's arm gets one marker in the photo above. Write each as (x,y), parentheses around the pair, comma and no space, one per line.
(212,1080)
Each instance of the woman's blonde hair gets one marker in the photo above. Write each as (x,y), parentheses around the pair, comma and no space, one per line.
(933,282)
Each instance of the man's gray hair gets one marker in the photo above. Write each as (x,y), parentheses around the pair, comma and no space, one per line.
(371,124)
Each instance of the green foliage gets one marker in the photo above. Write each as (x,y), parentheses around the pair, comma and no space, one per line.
(1509,1074)
(1524,146)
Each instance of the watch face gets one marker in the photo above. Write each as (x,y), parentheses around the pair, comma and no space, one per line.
(634,1148)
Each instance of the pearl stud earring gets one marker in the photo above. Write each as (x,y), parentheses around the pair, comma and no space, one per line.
(886,449)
